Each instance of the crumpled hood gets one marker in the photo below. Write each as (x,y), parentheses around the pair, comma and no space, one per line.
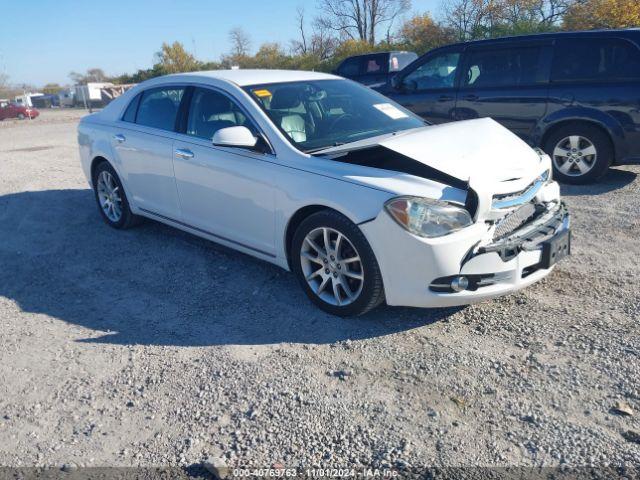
(480,150)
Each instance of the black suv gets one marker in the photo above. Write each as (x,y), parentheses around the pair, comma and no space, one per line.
(575,95)
(374,69)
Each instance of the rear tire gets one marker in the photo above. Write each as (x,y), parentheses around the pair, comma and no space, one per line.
(21,116)
(335,265)
(111,198)
(580,153)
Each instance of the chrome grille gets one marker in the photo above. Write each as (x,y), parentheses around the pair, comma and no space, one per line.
(514,220)
(510,200)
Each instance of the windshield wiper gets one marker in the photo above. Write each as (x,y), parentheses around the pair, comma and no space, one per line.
(316,150)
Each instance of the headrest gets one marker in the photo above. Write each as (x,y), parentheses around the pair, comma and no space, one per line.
(213,104)
(285,98)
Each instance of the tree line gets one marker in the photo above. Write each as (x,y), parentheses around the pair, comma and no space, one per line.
(341,28)
(337,29)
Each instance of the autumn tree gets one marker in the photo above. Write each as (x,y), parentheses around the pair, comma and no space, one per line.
(421,33)
(174,58)
(270,56)
(362,19)
(603,14)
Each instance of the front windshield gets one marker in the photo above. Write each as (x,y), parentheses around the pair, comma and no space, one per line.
(315,115)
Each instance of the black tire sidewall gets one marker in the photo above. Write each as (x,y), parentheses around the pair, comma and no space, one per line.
(599,140)
(127,216)
(372,291)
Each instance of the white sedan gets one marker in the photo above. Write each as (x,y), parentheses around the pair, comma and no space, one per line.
(360,198)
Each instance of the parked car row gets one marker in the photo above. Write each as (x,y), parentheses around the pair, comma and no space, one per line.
(575,95)
(333,181)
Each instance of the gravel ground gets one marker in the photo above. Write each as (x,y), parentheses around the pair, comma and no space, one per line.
(152,347)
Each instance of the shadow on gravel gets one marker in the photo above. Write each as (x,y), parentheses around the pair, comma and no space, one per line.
(155,285)
(613,180)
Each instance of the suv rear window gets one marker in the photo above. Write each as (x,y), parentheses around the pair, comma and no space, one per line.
(595,59)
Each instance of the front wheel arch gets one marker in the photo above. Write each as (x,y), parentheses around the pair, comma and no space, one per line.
(564,123)
(294,222)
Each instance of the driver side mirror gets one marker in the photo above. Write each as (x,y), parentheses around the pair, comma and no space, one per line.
(238,137)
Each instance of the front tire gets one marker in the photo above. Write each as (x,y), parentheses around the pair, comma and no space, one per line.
(21,116)
(580,153)
(111,198)
(336,266)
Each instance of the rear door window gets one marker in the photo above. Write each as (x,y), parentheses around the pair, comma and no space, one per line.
(504,67)
(159,107)
(350,67)
(595,59)
(375,64)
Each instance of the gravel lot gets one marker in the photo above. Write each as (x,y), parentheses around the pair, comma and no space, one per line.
(153,347)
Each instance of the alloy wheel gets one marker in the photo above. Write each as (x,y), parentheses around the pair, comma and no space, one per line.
(575,156)
(109,196)
(332,266)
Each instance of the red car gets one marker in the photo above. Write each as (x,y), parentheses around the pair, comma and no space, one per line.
(13,110)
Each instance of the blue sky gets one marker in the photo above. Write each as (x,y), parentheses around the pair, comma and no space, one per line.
(122,36)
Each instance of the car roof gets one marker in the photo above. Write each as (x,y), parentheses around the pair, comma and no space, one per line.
(245,78)
(624,32)
(386,52)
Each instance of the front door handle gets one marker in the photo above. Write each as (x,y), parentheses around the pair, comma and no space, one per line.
(184,153)
(120,138)
(445,98)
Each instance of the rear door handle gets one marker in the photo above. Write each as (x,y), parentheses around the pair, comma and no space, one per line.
(445,98)
(184,153)
(120,138)
(470,98)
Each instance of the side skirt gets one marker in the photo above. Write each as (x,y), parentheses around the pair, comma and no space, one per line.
(254,252)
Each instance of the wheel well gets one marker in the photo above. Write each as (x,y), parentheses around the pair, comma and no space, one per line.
(564,123)
(94,163)
(295,222)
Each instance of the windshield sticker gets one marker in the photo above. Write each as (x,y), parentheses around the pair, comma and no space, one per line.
(391,111)
(262,93)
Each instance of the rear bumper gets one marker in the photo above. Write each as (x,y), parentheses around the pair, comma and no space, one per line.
(413,268)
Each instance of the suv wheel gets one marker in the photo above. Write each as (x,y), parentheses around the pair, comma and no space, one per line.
(335,265)
(111,199)
(580,153)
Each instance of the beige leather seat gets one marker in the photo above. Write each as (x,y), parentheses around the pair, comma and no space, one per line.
(288,108)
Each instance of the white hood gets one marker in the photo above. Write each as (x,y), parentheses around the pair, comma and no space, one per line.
(480,150)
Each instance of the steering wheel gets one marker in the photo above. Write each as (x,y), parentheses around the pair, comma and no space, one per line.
(341,118)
